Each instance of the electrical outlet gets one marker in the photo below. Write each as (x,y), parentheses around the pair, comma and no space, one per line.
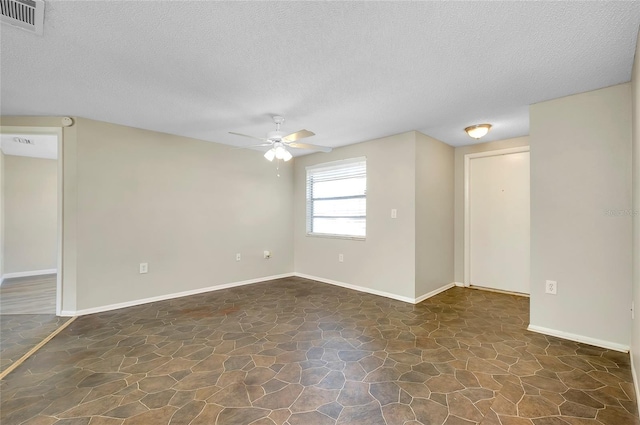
(144,268)
(551,287)
(341,258)
(267,255)
(238,257)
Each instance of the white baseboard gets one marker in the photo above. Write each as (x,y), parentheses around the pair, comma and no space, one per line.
(580,338)
(459,284)
(375,291)
(357,288)
(634,375)
(100,309)
(434,292)
(499,291)
(27,274)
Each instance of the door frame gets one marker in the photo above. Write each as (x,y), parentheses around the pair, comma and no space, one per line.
(467,222)
(60,184)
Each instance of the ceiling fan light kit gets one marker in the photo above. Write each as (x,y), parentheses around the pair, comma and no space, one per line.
(280,143)
(477,131)
(279,152)
(270,154)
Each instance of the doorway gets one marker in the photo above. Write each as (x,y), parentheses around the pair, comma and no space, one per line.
(497,220)
(30,216)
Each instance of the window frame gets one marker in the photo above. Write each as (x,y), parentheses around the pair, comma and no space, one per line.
(327,166)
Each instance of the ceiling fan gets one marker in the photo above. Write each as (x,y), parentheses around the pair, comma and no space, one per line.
(280,142)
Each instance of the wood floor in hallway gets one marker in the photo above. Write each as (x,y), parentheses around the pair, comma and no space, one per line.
(28,295)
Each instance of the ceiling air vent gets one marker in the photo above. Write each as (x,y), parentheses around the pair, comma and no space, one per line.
(25,14)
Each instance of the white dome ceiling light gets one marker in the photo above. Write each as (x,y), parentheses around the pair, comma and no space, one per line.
(477,131)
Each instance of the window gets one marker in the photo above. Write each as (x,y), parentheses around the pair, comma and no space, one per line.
(337,199)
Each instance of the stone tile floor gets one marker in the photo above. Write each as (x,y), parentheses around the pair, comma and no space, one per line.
(294,351)
(19,333)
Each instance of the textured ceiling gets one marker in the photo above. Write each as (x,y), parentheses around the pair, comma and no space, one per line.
(349,71)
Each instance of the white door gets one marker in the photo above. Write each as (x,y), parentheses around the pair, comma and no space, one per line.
(499,222)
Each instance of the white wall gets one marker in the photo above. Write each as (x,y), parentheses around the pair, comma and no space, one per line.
(635,335)
(581,170)
(434,214)
(385,261)
(459,154)
(30,214)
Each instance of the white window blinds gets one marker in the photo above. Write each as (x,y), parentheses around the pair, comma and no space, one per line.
(337,198)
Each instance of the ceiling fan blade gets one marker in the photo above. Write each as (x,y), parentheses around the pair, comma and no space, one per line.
(310,147)
(299,135)
(261,145)
(246,135)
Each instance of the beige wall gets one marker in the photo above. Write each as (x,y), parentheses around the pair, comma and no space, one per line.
(184,206)
(1,215)
(406,257)
(460,152)
(434,214)
(385,261)
(30,214)
(635,336)
(69,218)
(581,170)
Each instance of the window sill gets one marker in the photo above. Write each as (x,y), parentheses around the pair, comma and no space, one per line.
(330,236)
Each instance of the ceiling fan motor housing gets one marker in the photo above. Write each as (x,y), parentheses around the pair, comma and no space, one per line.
(275,135)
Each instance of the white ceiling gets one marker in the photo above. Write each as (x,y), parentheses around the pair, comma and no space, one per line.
(349,71)
(41,146)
